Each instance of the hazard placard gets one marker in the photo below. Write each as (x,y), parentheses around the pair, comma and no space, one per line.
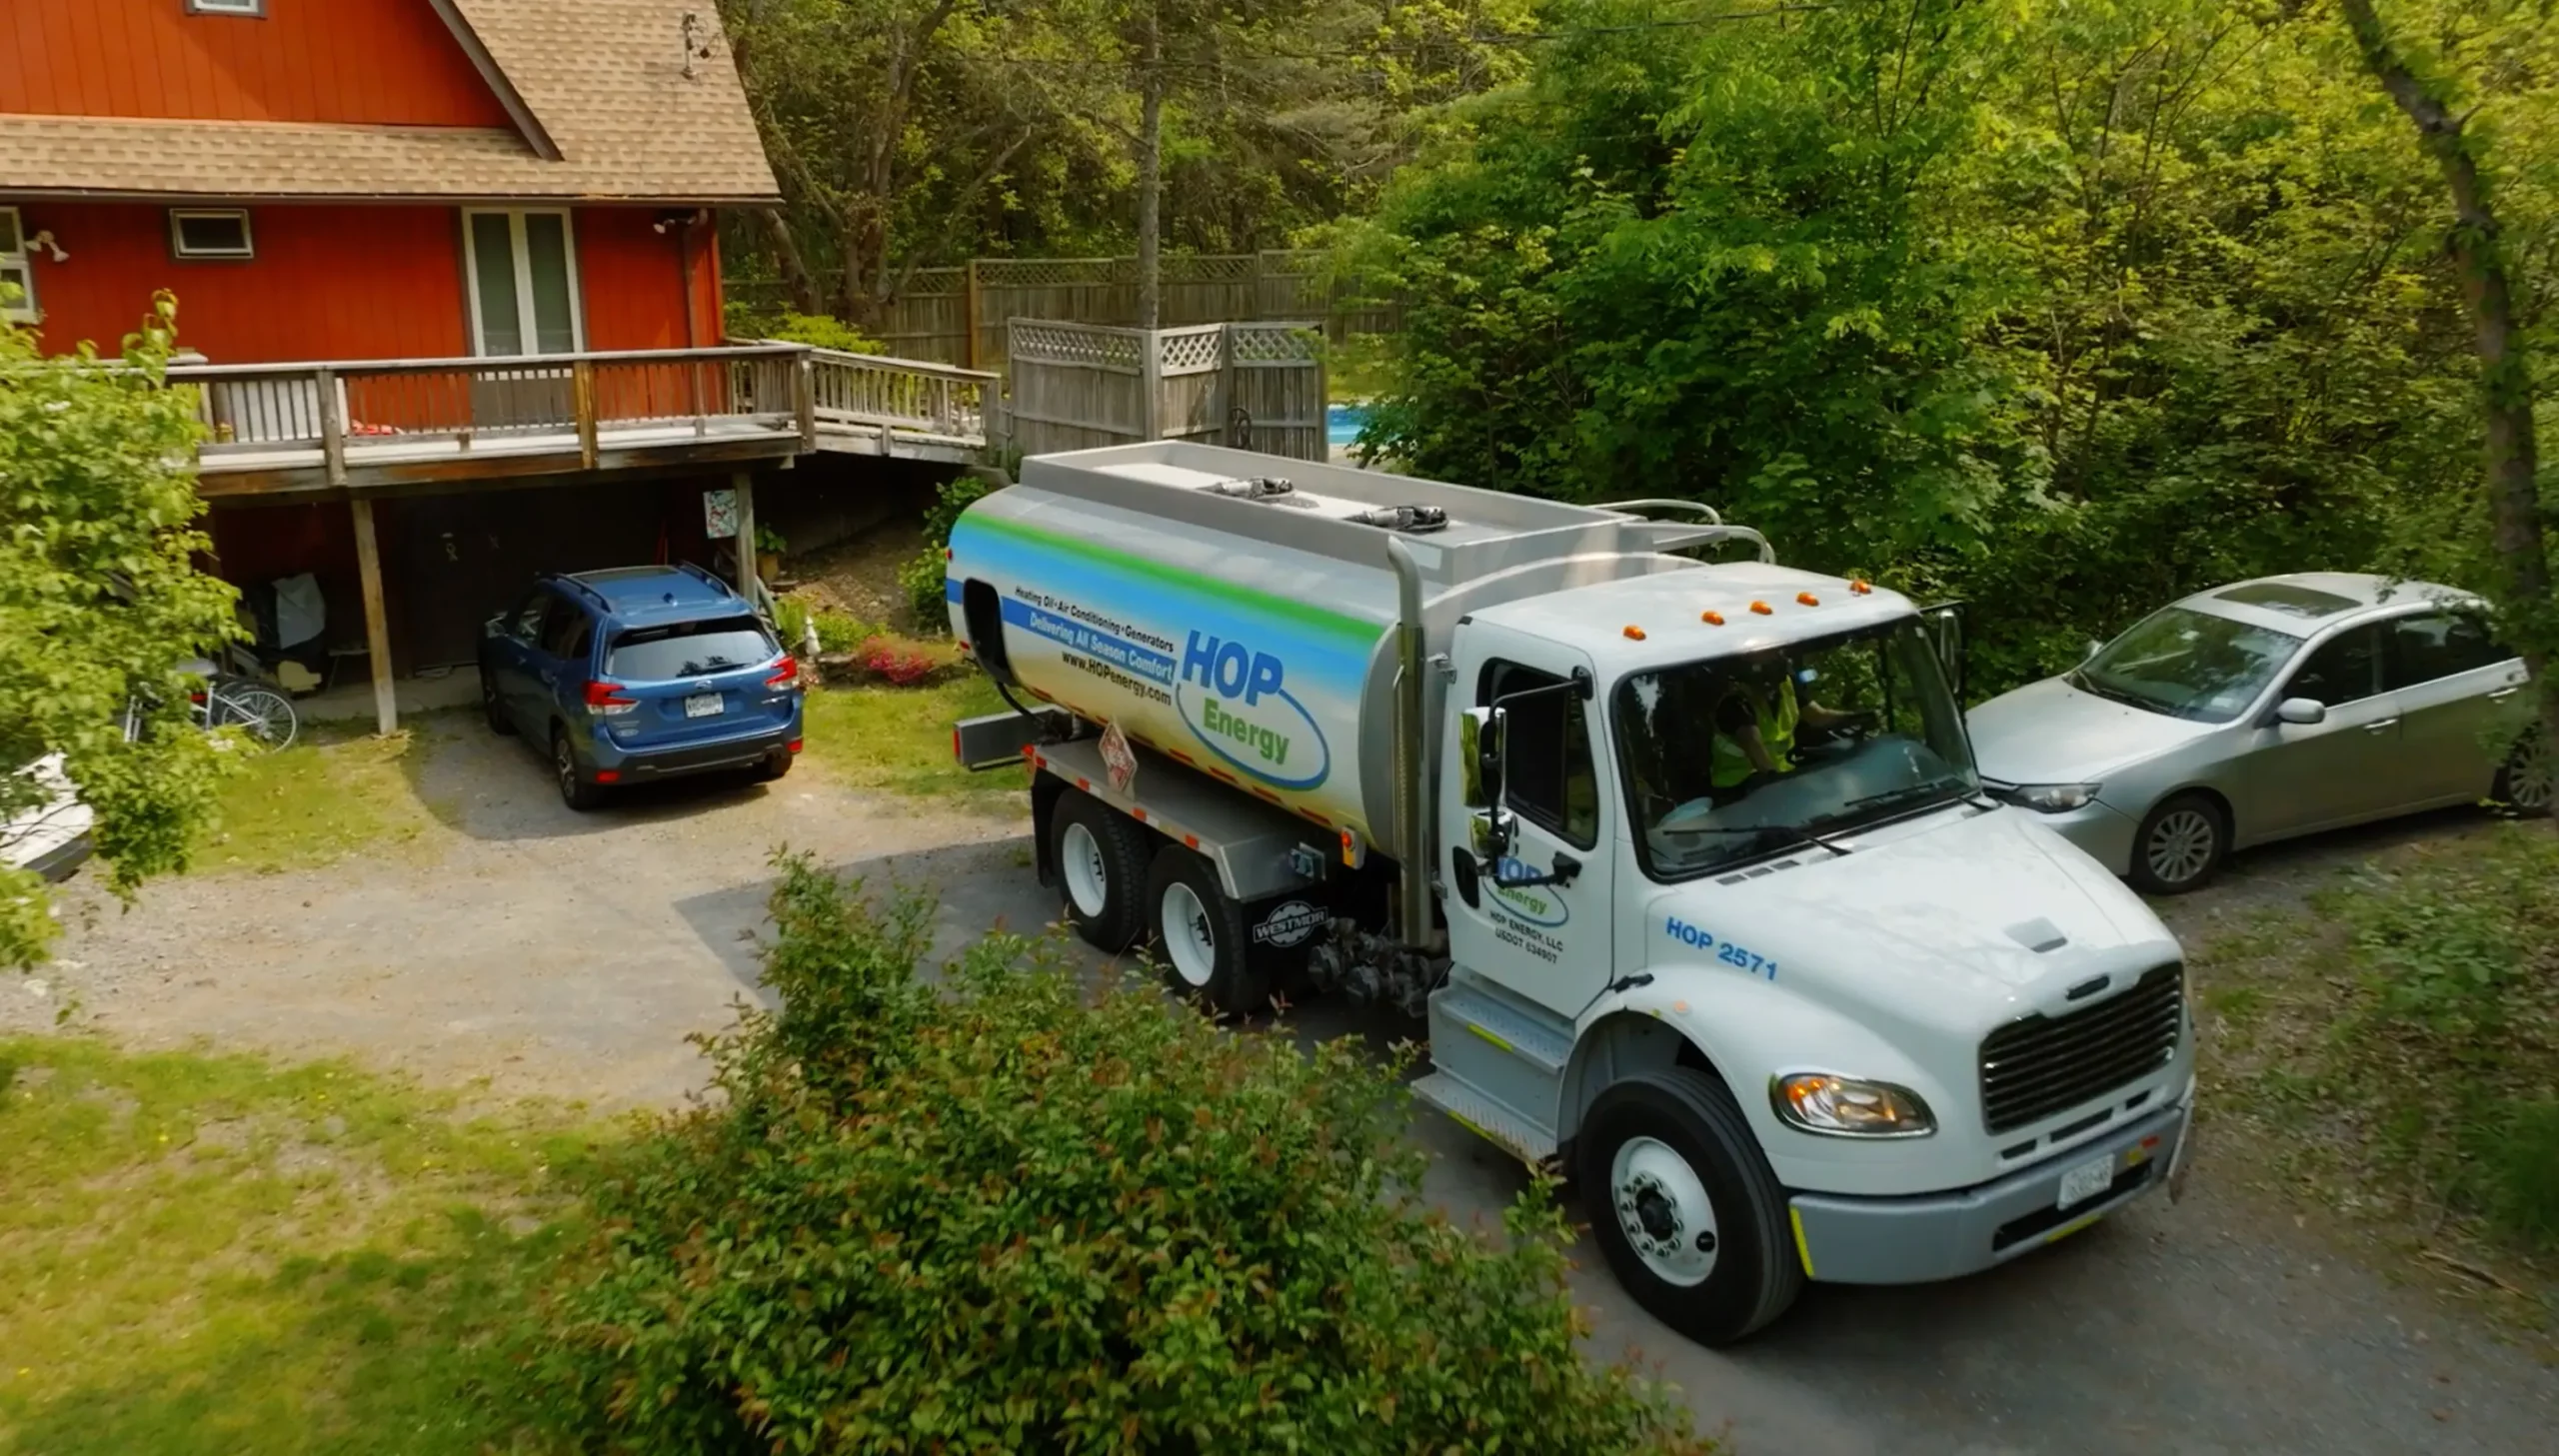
(1118,761)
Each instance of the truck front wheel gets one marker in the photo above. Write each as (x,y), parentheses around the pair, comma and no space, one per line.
(1100,857)
(1681,1199)
(1201,935)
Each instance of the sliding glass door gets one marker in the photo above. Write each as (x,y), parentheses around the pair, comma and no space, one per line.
(524,283)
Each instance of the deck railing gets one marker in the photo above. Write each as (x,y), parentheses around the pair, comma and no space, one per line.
(871,391)
(419,412)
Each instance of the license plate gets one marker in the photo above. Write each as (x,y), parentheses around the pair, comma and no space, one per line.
(702,704)
(2087,1182)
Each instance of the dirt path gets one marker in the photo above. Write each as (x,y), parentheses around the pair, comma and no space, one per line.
(568,956)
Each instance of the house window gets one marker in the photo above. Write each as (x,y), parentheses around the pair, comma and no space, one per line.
(17,278)
(209,233)
(523,282)
(227,7)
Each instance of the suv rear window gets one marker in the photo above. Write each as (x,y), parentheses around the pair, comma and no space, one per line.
(689,649)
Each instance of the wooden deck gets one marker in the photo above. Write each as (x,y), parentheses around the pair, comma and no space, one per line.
(345,427)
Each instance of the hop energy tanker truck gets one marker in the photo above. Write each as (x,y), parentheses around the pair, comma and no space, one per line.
(1685,861)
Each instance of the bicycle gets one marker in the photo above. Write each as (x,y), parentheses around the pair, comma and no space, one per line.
(265,717)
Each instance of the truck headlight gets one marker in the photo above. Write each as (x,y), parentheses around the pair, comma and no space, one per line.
(2051,798)
(1839,1107)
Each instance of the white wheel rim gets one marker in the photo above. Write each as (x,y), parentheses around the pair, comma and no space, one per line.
(256,714)
(1188,940)
(1663,1207)
(1088,874)
(2181,846)
(2528,775)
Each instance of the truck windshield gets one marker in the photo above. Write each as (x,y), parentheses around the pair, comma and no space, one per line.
(1738,756)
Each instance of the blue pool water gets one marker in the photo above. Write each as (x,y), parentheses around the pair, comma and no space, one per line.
(1342,424)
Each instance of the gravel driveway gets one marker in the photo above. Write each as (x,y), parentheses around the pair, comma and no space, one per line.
(568,956)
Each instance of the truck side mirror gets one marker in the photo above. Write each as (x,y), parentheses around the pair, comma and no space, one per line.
(1945,632)
(1480,734)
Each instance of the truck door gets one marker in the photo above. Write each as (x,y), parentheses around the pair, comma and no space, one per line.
(1551,942)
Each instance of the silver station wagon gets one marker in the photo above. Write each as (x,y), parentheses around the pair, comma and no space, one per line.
(2260,710)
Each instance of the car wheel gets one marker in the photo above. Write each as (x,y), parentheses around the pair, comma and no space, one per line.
(2524,784)
(2180,844)
(576,789)
(1100,857)
(1200,935)
(496,708)
(1685,1207)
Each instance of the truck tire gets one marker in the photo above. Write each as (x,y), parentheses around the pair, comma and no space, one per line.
(1684,1205)
(1100,854)
(1200,935)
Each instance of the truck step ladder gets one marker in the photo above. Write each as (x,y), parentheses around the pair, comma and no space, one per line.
(1498,1064)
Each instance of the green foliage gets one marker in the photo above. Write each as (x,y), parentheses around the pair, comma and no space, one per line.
(2455,1034)
(899,739)
(922,578)
(2062,310)
(99,603)
(1017,1214)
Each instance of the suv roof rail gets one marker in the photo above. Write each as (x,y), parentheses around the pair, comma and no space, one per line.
(581,588)
(702,571)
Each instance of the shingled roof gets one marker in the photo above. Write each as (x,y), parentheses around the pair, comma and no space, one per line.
(597,88)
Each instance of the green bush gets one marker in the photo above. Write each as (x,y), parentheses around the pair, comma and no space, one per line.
(820,331)
(922,578)
(2455,1027)
(1013,1213)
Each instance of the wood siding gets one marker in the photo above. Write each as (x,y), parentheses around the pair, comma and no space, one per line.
(390,62)
(326,282)
(349,283)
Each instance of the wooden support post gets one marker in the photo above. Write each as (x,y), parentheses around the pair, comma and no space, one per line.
(333,425)
(1150,383)
(969,344)
(582,385)
(377,625)
(804,396)
(1226,389)
(747,581)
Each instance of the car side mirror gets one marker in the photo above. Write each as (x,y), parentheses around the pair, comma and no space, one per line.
(2301,711)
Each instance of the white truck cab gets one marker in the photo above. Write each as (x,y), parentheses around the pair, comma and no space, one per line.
(1687,863)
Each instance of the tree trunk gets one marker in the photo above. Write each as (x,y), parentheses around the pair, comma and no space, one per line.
(785,256)
(1151,178)
(2481,265)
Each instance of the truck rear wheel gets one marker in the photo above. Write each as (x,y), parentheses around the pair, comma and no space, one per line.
(1100,857)
(1201,935)
(1682,1201)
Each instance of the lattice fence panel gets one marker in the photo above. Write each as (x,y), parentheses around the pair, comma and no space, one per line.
(1199,350)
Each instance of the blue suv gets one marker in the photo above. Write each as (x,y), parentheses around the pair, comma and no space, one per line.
(640,672)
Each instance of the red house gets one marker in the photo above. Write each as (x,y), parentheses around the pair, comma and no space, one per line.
(434,254)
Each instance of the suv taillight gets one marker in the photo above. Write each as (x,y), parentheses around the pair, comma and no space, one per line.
(603,700)
(785,674)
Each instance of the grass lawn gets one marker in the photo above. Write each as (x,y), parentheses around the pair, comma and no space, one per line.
(211,1255)
(317,802)
(899,739)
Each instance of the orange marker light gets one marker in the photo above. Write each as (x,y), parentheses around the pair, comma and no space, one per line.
(1634,634)
(1858,587)
(1711,618)
(1808,599)
(1760,606)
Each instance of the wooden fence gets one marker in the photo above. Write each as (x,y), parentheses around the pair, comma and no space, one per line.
(961,314)
(1253,386)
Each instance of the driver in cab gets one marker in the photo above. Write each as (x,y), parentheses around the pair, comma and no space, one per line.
(1758,717)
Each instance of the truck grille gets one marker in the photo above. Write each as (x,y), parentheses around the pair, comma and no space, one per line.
(2038,1065)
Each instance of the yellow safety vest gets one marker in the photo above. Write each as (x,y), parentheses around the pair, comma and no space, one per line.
(1776,723)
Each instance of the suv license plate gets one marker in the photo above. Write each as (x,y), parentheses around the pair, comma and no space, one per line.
(702,704)
(2087,1182)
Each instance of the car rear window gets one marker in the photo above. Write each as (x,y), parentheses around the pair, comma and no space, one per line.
(687,649)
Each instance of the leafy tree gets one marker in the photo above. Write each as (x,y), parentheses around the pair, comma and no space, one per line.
(99,603)
(2063,308)
(2512,45)
(1006,1213)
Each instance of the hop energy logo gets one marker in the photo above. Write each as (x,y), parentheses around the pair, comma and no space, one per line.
(1238,702)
